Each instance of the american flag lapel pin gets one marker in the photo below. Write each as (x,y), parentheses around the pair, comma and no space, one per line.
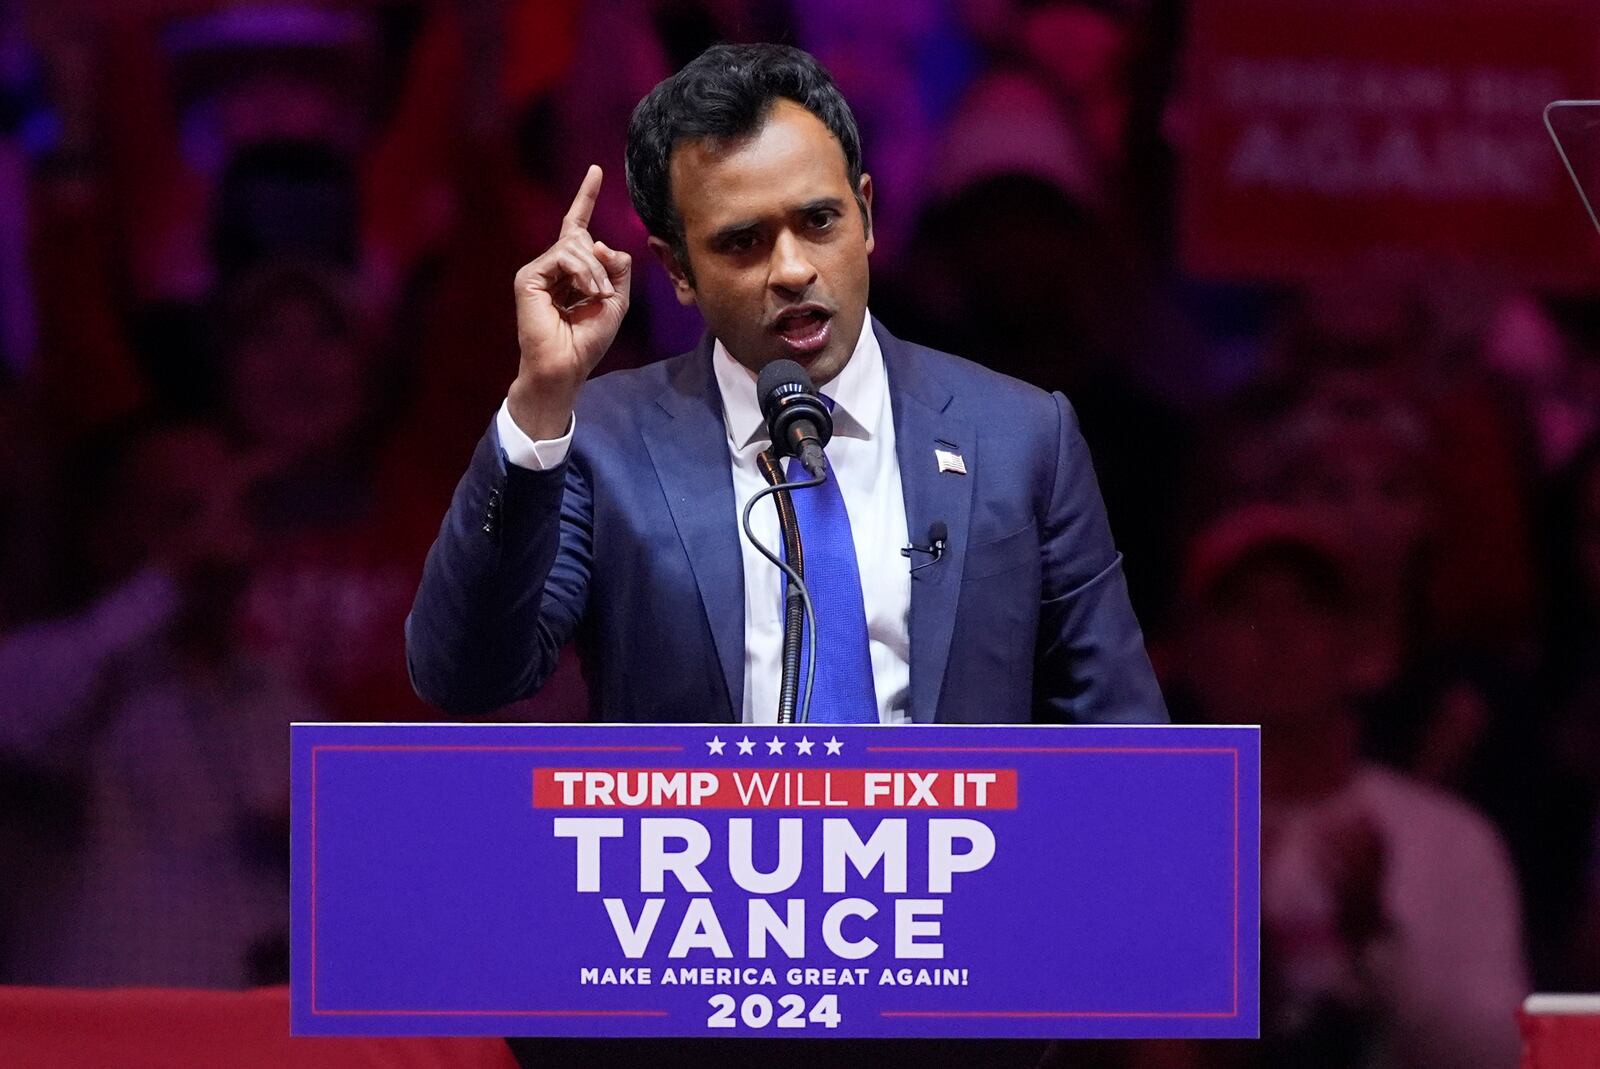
(950,460)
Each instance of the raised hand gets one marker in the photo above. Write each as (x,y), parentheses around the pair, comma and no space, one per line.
(570,304)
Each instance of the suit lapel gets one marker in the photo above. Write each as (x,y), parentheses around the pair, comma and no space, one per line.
(690,454)
(922,423)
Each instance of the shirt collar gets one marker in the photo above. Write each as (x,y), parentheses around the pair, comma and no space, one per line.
(857,393)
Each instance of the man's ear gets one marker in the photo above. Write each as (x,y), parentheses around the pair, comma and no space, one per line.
(681,286)
(865,189)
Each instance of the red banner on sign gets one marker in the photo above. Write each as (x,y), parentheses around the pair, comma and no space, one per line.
(1317,133)
(773,788)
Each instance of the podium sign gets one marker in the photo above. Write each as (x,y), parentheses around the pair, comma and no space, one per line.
(793,882)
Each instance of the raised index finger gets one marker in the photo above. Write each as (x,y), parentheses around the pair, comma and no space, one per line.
(577,217)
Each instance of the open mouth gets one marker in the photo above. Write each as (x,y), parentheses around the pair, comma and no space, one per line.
(805,331)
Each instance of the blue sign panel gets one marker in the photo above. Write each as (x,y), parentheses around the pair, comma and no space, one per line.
(808,881)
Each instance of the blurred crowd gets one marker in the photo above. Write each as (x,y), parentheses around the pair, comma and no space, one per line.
(255,311)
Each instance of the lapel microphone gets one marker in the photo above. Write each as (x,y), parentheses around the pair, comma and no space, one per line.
(938,535)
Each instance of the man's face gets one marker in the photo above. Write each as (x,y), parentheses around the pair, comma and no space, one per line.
(298,381)
(1268,654)
(179,500)
(776,241)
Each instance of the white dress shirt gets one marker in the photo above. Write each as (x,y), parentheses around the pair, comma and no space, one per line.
(863,458)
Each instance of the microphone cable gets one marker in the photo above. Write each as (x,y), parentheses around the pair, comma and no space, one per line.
(798,584)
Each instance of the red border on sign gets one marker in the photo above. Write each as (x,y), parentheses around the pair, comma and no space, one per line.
(1014,1014)
(1234,751)
(315,1012)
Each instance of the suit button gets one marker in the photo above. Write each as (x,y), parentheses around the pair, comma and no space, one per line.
(491,514)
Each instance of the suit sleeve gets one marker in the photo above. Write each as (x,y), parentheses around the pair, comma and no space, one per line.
(1091,661)
(504,585)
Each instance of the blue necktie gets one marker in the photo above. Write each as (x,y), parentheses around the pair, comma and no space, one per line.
(844,691)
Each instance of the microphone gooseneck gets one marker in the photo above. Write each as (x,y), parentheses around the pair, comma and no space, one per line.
(798,608)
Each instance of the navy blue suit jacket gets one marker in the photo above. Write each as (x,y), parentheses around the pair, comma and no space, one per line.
(631,547)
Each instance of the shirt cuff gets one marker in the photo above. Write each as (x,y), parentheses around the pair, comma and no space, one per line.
(523,451)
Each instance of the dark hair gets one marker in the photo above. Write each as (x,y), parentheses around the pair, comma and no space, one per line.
(286,197)
(726,93)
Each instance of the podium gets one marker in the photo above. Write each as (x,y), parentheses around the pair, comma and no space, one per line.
(808,881)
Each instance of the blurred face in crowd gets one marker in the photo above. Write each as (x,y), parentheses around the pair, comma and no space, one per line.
(618,58)
(1364,483)
(298,378)
(1561,394)
(178,501)
(1264,648)
(1085,53)
(1034,265)
(777,244)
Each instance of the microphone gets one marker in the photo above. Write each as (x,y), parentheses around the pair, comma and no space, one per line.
(799,423)
(938,537)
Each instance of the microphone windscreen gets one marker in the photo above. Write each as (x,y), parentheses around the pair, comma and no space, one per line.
(778,374)
(938,531)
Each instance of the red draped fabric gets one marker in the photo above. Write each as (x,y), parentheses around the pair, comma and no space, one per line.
(157,1028)
(1560,1040)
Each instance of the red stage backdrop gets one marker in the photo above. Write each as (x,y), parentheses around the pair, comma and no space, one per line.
(1317,132)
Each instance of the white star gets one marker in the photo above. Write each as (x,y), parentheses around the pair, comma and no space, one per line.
(746,746)
(834,745)
(774,745)
(804,746)
(715,745)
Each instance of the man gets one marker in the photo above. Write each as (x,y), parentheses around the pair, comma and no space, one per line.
(608,512)
(1391,930)
(153,712)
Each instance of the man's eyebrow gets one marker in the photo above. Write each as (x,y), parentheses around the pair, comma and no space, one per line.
(723,235)
(820,204)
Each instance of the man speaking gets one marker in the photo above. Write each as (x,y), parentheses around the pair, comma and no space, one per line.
(958,548)
(609,511)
